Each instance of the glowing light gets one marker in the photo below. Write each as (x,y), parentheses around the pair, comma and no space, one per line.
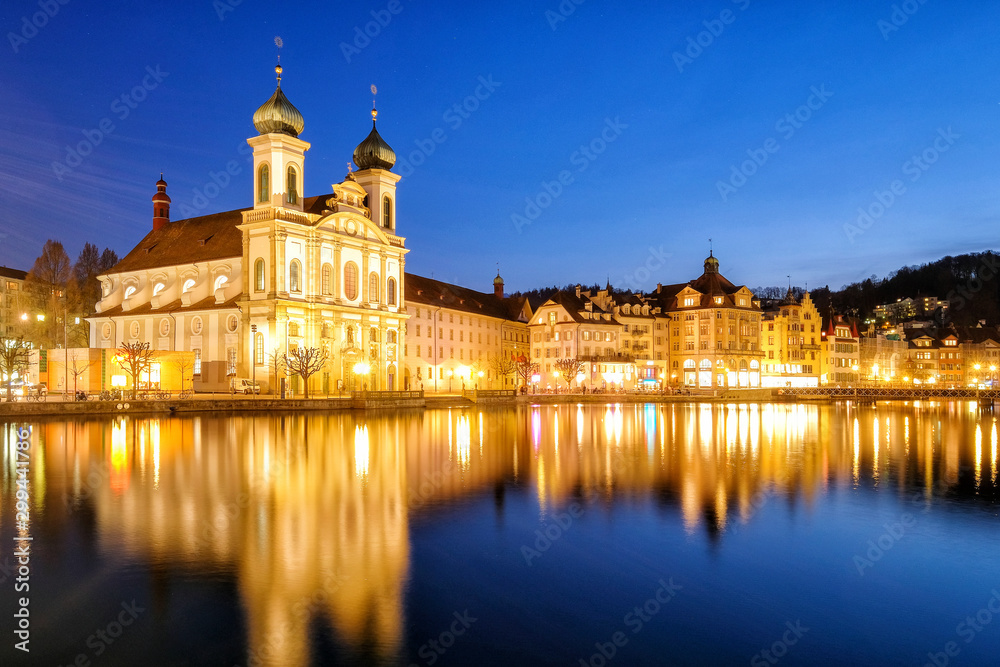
(463,441)
(362,451)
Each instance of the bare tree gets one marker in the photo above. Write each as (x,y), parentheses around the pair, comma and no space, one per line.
(183,364)
(135,359)
(305,362)
(79,367)
(569,369)
(14,356)
(276,362)
(525,369)
(502,365)
(47,282)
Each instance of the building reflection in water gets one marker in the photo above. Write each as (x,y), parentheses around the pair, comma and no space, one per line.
(311,514)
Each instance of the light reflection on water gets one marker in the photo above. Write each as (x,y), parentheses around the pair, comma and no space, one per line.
(312,516)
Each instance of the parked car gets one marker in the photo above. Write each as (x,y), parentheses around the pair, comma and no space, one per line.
(244,386)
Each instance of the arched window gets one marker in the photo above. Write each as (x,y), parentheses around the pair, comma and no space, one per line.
(258,274)
(373,286)
(387,212)
(188,284)
(351,281)
(293,186)
(373,335)
(294,272)
(129,291)
(264,184)
(158,288)
(390,336)
(390,291)
(258,349)
(220,282)
(326,284)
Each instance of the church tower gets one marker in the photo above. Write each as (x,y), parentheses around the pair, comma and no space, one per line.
(278,153)
(375,159)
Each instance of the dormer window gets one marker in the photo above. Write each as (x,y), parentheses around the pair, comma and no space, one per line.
(188,284)
(220,282)
(689,301)
(129,291)
(158,288)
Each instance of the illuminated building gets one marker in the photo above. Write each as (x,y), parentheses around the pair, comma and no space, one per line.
(791,333)
(453,332)
(321,271)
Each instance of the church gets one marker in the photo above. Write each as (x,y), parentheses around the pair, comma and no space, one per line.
(245,287)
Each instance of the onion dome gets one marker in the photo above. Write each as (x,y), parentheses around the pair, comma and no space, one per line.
(278,115)
(373,152)
(498,280)
(161,191)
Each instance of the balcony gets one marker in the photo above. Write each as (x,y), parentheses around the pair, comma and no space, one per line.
(618,358)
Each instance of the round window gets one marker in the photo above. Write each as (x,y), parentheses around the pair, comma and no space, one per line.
(231,323)
(164,327)
(134,329)
(106,331)
(196,326)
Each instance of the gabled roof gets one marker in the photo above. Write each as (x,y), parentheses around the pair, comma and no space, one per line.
(202,239)
(575,306)
(435,293)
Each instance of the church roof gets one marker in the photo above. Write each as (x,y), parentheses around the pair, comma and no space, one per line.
(202,239)
(435,293)
(147,308)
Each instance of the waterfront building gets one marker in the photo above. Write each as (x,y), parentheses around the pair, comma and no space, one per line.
(714,331)
(289,271)
(11,300)
(455,334)
(840,353)
(791,334)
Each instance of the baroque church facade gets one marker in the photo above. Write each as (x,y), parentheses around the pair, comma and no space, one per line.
(244,287)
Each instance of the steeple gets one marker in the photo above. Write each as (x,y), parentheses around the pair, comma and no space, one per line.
(278,153)
(711,263)
(375,159)
(374,152)
(498,285)
(161,204)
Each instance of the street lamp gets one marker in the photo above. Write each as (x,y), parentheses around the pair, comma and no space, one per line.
(362,369)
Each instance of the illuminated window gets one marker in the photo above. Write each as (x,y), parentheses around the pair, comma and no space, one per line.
(390,291)
(292,186)
(188,284)
(220,282)
(258,349)
(263,184)
(129,291)
(373,286)
(197,362)
(158,288)
(387,212)
(258,275)
(326,281)
(294,269)
(351,281)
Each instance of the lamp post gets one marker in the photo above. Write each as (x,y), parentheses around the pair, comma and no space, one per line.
(253,359)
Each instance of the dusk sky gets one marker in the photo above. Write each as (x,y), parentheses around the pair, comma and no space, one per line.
(642,125)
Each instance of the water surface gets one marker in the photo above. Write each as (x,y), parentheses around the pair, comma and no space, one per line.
(654,534)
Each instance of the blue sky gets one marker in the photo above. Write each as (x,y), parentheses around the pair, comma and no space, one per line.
(591,116)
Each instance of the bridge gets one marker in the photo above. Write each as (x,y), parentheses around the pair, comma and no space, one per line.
(923,392)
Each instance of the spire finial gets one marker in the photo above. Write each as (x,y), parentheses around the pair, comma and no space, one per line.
(710,248)
(277,68)
(374,110)
(350,166)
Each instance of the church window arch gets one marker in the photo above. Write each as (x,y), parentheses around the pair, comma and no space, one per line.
(263,184)
(258,274)
(351,281)
(292,185)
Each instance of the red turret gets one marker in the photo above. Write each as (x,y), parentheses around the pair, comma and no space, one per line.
(161,205)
